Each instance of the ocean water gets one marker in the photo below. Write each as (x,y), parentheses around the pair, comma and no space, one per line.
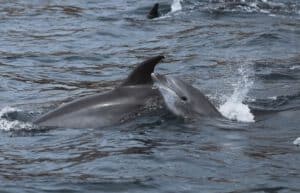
(243,54)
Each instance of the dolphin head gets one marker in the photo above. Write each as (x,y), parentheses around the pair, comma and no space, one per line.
(182,98)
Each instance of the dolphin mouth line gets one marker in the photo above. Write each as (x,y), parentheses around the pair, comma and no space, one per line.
(169,96)
(164,90)
(154,77)
(155,80)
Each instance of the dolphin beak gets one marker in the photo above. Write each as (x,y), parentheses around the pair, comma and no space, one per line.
(154,77)
(159,81)
(157,78)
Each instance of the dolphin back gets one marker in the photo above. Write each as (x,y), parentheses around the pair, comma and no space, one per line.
(107,108)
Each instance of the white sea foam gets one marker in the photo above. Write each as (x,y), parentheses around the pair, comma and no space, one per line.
(297,141)
(273,97)
(295,67)
(234,108)
(9,125)
(176,5)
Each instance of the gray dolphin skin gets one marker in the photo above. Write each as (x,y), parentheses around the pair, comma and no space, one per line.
(183,99)
(154,13)
(109,108)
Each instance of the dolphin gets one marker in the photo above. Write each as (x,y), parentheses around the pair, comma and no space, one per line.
(154,13)
(182,99)
(122,103)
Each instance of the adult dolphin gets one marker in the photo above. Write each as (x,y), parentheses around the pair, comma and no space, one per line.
(183,99)
(109,108)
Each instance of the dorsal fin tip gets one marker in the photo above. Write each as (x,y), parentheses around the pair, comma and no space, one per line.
(153,13)
(142,73)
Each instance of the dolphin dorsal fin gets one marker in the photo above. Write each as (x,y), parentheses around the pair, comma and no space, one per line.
(153,13)
(142,73)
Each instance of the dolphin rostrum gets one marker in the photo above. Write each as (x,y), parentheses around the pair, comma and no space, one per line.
(183,99)
(108,108)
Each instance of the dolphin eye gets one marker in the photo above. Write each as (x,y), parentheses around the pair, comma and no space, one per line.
(183,98)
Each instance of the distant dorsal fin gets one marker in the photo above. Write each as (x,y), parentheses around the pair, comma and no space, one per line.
(142,73)
(153,12)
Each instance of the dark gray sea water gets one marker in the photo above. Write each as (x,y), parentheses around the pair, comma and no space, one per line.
(242,54)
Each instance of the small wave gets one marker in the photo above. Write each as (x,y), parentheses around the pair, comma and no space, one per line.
(69,10)
(255,6)
(265,38)
(234,108)
(270,103)
(275,103)
(176,5)
(8,121)
(277,76)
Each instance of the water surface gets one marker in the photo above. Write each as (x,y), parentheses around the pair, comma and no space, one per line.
(241,54)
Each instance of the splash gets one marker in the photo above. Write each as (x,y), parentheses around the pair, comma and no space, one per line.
(12,125)
(297,141)
(234,108)
(176,5)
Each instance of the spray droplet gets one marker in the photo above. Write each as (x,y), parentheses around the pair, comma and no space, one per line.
(176,5)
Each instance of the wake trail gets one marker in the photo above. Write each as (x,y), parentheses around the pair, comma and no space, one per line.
(12,119)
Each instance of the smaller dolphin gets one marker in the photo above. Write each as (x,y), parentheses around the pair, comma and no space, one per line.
(154,13)
(183,99)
